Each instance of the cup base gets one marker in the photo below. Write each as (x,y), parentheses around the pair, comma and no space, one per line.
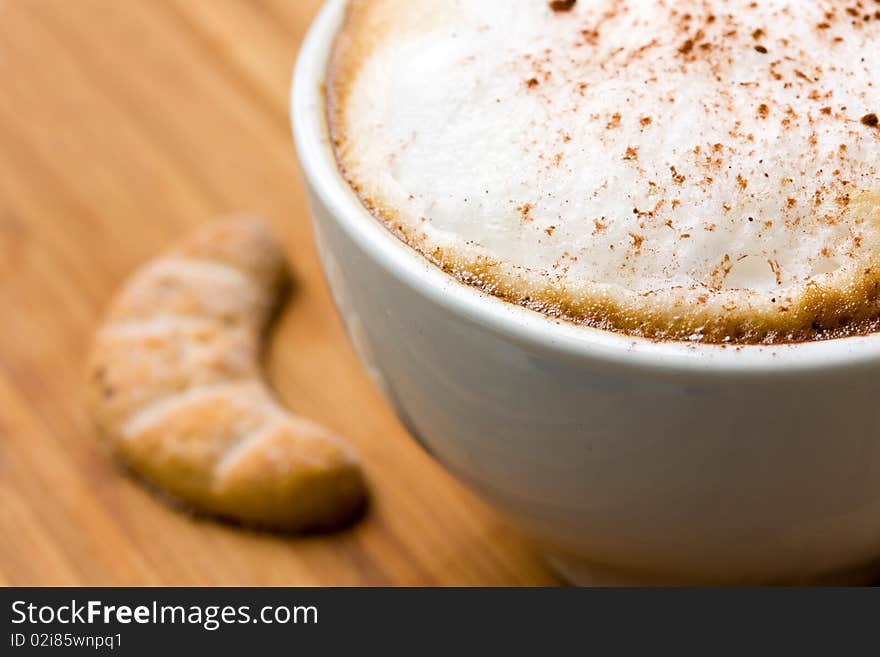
(580,572)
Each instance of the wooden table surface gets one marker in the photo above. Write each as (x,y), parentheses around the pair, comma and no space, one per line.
(122,123)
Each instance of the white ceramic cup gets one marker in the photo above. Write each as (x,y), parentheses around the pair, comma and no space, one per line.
(628,460)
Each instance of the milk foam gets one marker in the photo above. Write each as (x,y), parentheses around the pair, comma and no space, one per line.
(705,170)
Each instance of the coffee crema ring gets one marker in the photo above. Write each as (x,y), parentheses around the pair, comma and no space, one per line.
(702,171)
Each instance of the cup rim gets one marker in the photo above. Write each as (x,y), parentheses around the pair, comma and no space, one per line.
(522,325)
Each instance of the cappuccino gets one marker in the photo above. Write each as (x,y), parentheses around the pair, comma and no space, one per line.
(687,170)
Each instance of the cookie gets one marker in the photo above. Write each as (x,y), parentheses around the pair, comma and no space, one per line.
(175,387)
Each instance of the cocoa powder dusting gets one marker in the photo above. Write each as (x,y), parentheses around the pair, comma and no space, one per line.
(785,90)
(562,5)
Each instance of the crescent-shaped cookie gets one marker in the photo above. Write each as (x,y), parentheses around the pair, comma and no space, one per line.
(175,386)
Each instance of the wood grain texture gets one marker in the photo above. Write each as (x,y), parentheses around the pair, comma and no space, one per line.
(121,125)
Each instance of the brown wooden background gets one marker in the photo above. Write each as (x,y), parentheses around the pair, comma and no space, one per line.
(123,122)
